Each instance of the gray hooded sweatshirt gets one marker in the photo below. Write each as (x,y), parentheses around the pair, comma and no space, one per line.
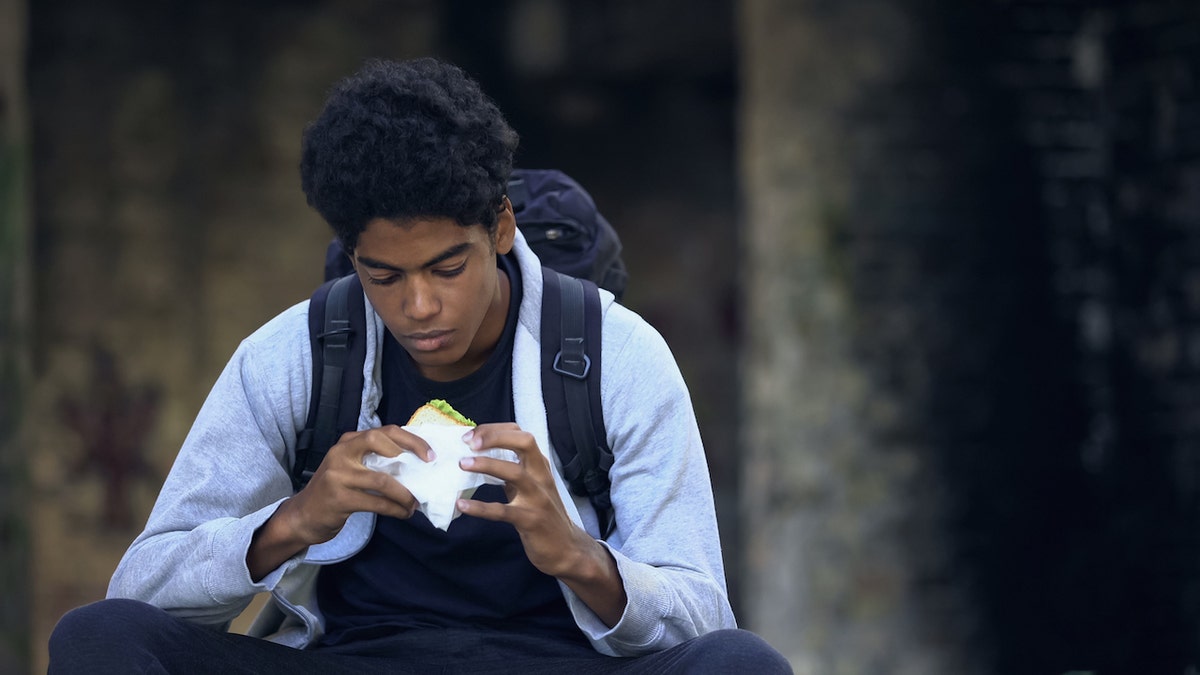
(232,473)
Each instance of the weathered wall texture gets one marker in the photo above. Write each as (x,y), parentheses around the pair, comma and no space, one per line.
(15,372)
(970,365)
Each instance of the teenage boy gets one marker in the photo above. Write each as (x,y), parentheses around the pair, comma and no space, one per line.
(408,162)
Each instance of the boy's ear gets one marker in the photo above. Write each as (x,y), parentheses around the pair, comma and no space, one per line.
(506,228)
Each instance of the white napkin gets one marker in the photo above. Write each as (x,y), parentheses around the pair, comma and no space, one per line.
(438,485)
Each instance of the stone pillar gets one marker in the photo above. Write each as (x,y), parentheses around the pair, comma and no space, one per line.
(821,583)
(866,148)
(14,339)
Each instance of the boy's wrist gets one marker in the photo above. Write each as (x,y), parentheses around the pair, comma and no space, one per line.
(274,542)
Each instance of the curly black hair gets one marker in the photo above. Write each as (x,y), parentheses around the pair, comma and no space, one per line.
(406,139)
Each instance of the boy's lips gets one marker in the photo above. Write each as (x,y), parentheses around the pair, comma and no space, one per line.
(428,341)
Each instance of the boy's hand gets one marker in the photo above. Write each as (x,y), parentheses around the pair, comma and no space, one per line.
(340,486)
(552,541)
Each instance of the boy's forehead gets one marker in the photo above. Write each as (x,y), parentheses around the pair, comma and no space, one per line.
(414,241)
(414,226)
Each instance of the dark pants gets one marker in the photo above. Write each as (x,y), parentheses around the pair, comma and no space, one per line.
(126,636)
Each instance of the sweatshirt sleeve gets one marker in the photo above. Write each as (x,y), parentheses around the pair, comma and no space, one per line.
(228,478)
(666,542)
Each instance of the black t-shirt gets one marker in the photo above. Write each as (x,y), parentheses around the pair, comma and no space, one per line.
(475,574)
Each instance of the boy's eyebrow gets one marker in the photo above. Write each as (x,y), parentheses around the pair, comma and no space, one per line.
(444,255)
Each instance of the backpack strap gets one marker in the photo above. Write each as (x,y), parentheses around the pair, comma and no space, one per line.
(571,323)
(336,328)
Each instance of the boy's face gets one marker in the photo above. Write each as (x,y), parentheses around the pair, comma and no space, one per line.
(436,286)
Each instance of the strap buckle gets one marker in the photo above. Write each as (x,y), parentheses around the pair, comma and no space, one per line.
(572,362)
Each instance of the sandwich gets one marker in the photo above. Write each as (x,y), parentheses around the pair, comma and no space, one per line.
(439,412)
(438,484)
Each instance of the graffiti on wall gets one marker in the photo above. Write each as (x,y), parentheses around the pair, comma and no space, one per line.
(113,420)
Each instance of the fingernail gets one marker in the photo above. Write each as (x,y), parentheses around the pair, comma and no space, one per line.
(430,456)
(466,438)
(462,504)
(466,462)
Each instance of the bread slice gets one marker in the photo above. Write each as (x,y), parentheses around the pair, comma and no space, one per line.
(439,412)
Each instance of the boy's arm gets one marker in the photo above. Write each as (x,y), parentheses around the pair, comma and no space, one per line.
(228,479)
(666,544)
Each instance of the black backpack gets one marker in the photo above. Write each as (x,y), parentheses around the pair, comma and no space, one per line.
(579,250)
